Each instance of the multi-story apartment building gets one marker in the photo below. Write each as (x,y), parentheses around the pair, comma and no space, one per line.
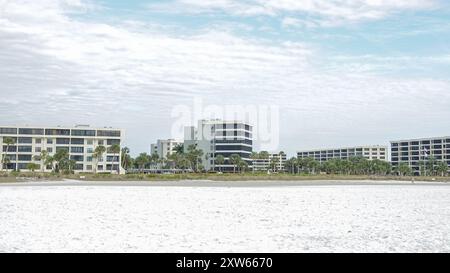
(218,137)
(277,161)
(368,152)
(414,151)
(164,147)
(79,141)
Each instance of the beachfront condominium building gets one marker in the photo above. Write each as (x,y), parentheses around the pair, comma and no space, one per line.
(368,152)
(219,137)
(79,141)
(274,162)
(165,147)
(415,151)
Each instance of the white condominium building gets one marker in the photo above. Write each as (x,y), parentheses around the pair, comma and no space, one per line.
(79,141)
(164,147)
(219,137)
(415,151)
(273,162)
(368,152)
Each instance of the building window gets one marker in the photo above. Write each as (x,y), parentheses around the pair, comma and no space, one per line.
(49,150)
(89,167)
(114,141)
(77,150)
(57,132)
(100,142)
(89,158)
(90,142)
(49,141)
(37,149)
(24,157)
(108,133)
(63,141)
(8,131)
(29,131)
(83,132)
(24,149)
(77,157)
(38,141)
(26,140)
(77,141)
(90,150)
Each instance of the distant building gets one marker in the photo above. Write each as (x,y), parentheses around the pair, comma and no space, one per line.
(218,137)
(413,151)
(277,161)
(368,152)
(79,141)
(165,147)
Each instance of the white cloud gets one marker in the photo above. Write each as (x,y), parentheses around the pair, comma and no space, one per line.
(328,13)
(55,69)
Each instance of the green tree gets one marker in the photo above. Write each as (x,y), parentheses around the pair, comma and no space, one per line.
(42,157)
(404,169)
(194,155)
(62,160)
(220,160)
(115,150)
(179,149)
(8,141)
(126,159)
(142,160)
(442,168)
(235,159)
(254,156)
(97,155)
(32,166)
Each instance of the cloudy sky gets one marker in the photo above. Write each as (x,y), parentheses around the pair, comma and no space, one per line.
(343,72)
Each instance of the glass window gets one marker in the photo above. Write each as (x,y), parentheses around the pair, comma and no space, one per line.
(62,140)
(90,142)
(8,131)
(49,141)
(79,141)
(31,131)
(77,150)
(38,141)
(24,149)
(76,132)
(27,140)
(50,150)
(110,133)
(37,149)
(113,141)
(24,157)
(57,132)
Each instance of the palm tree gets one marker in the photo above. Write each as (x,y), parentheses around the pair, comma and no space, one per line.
(254,156)
(8,141)
(442,168)
(235,159)
(126,158)
(98,154)
(142,160)
(220,160)
(404,169)
(179,148)
(41,157)
(61,158)
(115,150)
(49,160)
(32,166)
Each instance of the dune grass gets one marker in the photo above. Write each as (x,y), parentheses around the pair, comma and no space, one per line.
(36,176)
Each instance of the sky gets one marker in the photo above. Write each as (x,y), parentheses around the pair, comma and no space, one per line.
(341,72)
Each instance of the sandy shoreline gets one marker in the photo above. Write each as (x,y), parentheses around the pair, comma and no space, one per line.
(211,183)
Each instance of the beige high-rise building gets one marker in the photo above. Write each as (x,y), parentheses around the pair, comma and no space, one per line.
(165,147)
(79,141)
(368,152)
